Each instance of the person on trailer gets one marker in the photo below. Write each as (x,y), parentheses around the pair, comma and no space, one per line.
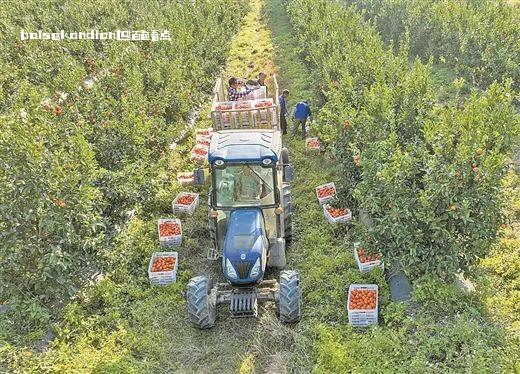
(283,111)
(234,90)
(302,112)
(260,82)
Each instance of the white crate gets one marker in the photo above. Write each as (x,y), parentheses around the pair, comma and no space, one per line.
(363,317)
(222,112)
(204,133)
(169,241)
(323,200)
(203,141)
(260,93)
(243,116)
(163,277)
(199,158)
(308,144)
(265,114)
(185,178)
(365,267)
(341,219)
(187,209)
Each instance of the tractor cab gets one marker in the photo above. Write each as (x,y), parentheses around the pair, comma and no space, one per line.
(250,215)
(247,171)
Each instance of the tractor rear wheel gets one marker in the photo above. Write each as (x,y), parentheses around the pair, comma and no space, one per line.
(289,301)
(287,208)
(201,303)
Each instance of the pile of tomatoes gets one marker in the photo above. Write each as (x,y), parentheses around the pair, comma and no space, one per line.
(163,264)
(242,105)
(337,212)
(204,142)
(326,191)
(200,151)
(169,229)
(263,104)
(313,143)
(362,299)
(187,200)
(364,257)
(223,107)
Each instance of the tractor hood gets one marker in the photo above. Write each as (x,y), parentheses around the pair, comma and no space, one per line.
(244,245)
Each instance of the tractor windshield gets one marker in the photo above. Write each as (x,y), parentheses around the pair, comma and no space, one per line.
(244,185)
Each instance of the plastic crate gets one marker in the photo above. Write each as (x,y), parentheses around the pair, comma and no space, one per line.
(243,116)
(323,200)
(313,143)
(365,267)
(186,178)
(203,142)
(201,157)
(341,219)
(266,110)
(363,317)
(260,93)
(163,277)
(169,241)
(204,133)
(187,209)
(222,112)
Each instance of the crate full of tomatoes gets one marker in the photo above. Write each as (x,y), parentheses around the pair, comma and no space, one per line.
(186,178)
(163,268)
(243,116)
(185,202)
(367,261)
(222,112)
(170,232)
(325,192)
(199,153)
(313,143)
(266,112)
(203,136)
(336,215)
(362,304)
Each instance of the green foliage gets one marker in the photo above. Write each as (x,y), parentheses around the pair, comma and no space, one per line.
(478,39)
(427,176)
(86,124)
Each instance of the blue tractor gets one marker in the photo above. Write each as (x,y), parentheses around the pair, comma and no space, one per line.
(250,223)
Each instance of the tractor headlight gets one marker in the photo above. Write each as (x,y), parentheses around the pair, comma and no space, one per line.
(255,271)
(230,270)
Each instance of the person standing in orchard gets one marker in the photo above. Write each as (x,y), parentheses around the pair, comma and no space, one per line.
(283,111)
(302,112)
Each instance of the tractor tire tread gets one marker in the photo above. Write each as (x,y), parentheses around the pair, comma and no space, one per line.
(200,312)
(289,303)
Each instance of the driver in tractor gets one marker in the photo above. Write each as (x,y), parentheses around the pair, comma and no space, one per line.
(247,185)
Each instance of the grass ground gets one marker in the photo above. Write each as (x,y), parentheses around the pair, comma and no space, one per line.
(124,325)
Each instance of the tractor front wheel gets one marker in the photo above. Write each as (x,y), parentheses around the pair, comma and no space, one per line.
(289,301)
(201,301)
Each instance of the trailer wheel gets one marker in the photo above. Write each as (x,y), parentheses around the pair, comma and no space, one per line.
(201,303)
(287,208)
(289,301)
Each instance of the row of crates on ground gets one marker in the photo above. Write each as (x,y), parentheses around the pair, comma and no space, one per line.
(362,299)
(163,266)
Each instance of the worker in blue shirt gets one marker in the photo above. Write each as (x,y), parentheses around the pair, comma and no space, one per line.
(283,111)
(302,111)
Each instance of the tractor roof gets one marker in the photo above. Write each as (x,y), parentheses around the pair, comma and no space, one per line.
(245,145)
